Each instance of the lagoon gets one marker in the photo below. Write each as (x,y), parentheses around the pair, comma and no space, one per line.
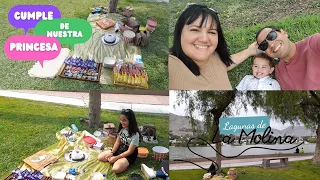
(228,150)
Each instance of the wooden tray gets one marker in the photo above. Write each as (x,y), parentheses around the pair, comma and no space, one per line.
(10,177)
(63,76)
(105,23)
(49,159)
(129,85)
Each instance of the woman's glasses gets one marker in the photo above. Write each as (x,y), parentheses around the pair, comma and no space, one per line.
(263,46)
(125,110)
(195,4)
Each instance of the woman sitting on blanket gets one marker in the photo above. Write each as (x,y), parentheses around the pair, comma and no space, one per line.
(125,149)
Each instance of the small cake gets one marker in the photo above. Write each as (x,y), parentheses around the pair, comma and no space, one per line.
(77,155)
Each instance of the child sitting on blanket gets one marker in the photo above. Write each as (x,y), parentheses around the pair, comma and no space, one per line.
(262,67)
(125,149)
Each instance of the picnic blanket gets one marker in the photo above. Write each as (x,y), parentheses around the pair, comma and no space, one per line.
(95,49)
(50,68)
(89,165)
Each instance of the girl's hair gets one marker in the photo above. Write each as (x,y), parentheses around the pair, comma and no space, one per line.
(265,56)
(133,126)
(188,16)
(272,62)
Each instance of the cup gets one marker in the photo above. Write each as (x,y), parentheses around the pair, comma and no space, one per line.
(72,138)
(117,27)
(74,128)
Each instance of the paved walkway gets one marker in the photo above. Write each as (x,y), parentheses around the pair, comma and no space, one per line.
(138,103)
(231,163)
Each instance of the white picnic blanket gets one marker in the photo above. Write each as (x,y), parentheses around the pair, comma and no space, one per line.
(50,68)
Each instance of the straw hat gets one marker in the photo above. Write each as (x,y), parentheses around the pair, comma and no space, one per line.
(77,156)
(110,39)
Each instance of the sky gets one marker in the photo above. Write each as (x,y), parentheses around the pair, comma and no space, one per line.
(180,110)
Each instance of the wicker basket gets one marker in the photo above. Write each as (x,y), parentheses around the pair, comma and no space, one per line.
(160,153)
(232,173)
(151,25)
(112,137)
(128,36)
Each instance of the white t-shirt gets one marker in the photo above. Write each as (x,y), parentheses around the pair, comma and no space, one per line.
(126,139)
(249,82)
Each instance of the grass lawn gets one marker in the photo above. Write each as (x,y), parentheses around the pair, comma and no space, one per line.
(14,74)
(29,126)
(296,171)
(241,19)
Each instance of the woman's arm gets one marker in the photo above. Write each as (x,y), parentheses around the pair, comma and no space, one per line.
(127,153)
(243,55)
(133,145)
(109,154)
(116,145)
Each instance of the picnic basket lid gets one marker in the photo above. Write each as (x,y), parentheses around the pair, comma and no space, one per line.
(89,140)
(143,152)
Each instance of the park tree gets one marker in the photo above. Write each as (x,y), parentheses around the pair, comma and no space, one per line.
(285,106)
(291,106)
(113,6)
(211,105)
(94,108)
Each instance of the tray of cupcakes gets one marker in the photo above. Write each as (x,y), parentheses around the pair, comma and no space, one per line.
(81,69)
(130,74)
(18,174)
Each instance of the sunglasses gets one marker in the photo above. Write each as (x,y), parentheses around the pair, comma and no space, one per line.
(263,46)
(195,4)
(125,110)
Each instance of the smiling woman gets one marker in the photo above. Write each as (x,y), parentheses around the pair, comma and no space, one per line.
(195,56)
(199,58)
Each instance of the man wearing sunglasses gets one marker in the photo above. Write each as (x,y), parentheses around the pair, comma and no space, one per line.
(299,66)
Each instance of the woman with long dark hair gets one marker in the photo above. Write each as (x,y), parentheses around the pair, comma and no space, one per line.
(199,58)
(125,149)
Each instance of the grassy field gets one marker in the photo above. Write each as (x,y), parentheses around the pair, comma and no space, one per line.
(29,126)
(14,74)
(241,19)
(296,171)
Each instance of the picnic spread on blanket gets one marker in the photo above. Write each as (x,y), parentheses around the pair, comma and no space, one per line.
(112,55)
(75,155)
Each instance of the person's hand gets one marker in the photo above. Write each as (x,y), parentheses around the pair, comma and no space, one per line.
(253,49)
(113,159)
(109,154)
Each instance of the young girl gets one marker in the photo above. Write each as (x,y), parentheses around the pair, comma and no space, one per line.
(125,149)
